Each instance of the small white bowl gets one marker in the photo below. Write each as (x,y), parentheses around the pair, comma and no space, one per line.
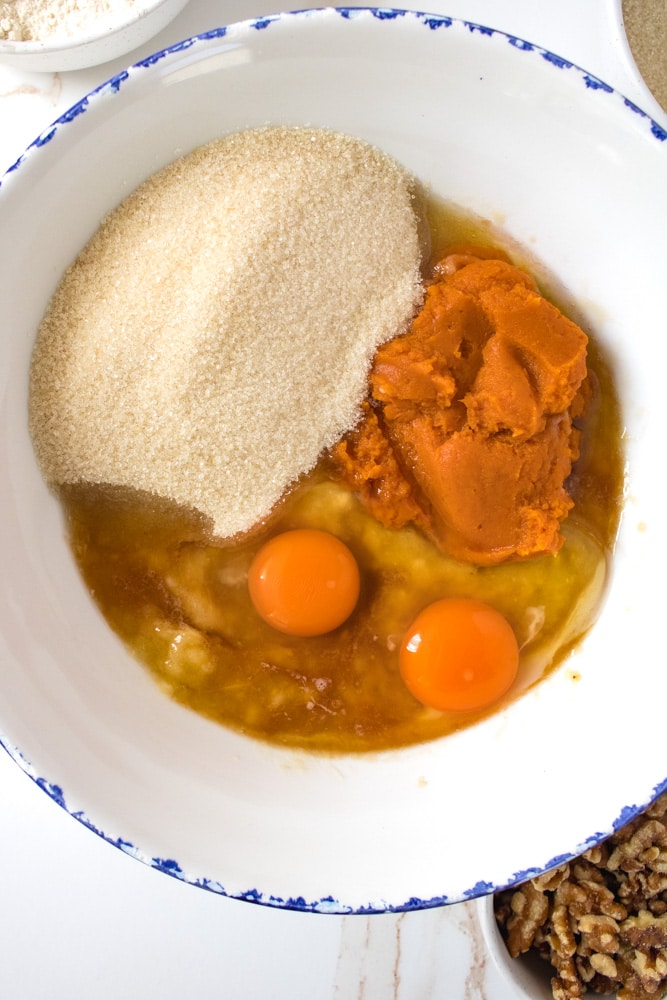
(528,976)
(81,51)
(574,172)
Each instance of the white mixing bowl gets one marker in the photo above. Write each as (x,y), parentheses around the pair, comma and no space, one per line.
(574,173)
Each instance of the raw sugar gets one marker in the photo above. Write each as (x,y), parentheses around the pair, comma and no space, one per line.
(215,335)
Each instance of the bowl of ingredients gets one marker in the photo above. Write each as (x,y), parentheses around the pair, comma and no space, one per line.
(331,526)
(593,925)
(60,35)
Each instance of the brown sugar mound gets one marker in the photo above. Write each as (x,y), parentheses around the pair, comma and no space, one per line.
(215,335)
(474,407)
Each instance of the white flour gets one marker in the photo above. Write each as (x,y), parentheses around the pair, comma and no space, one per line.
(60,20)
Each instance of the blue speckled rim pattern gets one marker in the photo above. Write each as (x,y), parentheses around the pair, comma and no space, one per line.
(169,866)
(430,22)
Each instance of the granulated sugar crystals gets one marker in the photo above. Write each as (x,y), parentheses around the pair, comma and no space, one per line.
(215,335)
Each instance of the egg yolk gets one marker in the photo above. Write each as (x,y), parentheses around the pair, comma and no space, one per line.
(304,582)
(459,655)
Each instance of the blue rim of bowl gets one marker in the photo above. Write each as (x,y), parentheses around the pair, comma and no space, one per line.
(169,866)
(431,22)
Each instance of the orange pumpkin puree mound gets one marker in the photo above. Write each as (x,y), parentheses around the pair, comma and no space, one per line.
(469,431)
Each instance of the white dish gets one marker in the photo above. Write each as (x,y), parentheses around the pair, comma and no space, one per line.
(112,40)
(574,173)
(529,976)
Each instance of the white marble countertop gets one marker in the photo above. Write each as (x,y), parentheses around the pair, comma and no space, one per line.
(79,918)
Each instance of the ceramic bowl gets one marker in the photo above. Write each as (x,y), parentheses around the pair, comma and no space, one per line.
(527,977)
(96,46)
(570,170)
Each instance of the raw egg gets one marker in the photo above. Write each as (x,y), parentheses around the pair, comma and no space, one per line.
(459,655)
(304,582)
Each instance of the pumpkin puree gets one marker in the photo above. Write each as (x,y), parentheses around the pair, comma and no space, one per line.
(469,429)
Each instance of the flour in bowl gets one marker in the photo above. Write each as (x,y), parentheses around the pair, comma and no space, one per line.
(214,337)
(61,20)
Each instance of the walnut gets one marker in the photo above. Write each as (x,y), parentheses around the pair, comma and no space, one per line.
(645,930)
(567,985)
(597,855)
(604,964)
(600,933)
(637,888)
(628,856)
(657,808)
(589,896)
(650,970)
(529,909)
(585,971)
(563,942)
(601,919)
(585,870)
(550,880)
